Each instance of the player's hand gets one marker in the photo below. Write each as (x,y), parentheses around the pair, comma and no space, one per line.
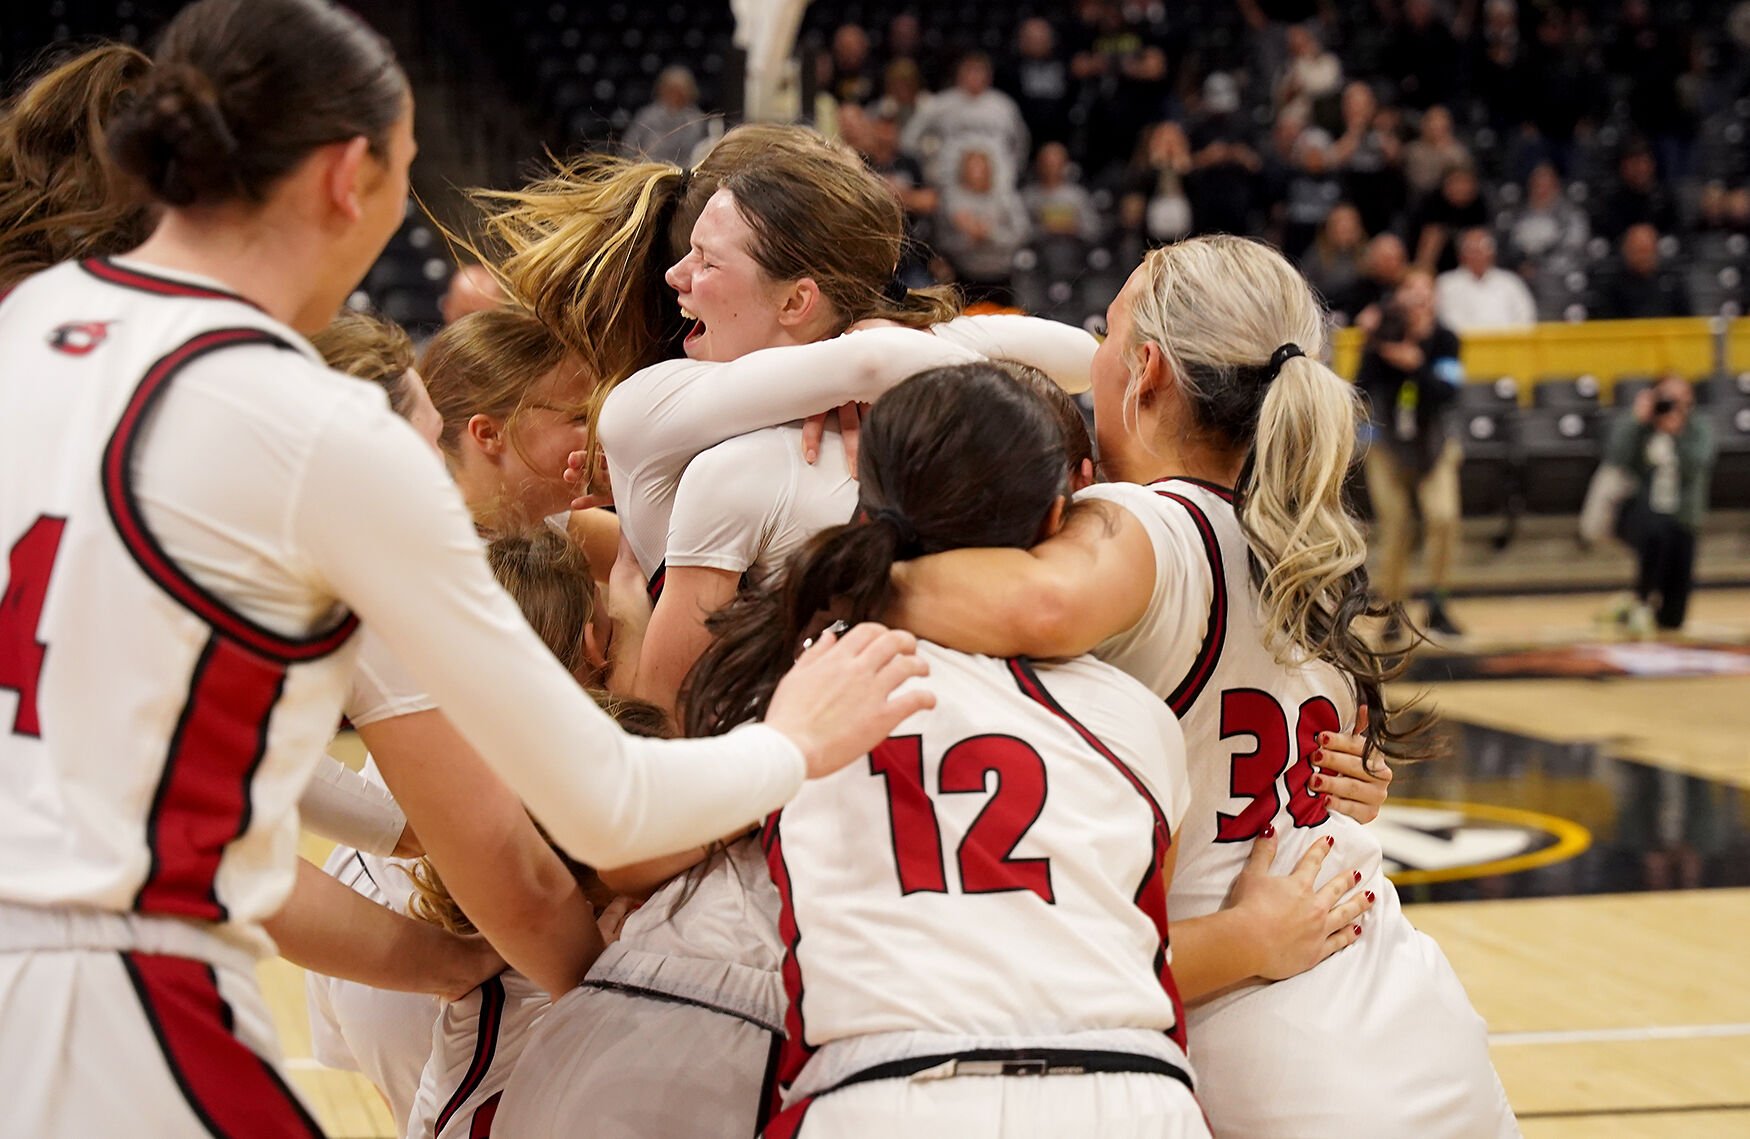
(839,699)
(588,487)
(628,608)
(850,430)
(1296,925)
(1357,787)
(475,962)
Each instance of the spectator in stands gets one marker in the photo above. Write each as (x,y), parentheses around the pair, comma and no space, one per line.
(1422,55)
(905,41)
(1409,374)
(1642,287)
(1040,82)
(1312,74)
(671,126)
(902,85)
(1433,152)
(1454,208)
(1671,453)
(1057,205)
(1546,230)
(874,131)
(1224,167)
(970,112)
(1478,296)
(847,72)
(1564,87)
(1121,61)
(980,225)
(1370,155)
(1312,192)
(1637,199)
(1383,268)
(1333,264)
(1654,59)
(472,289)
(1723,210)
(1154,203)
(1501,65)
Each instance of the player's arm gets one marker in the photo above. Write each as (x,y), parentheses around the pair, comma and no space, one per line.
(495,864)
(329,929)
(597,533)
(1092,579)
(377,523)
(681,409)
(1274,926)
(1062,351)
(677,634)
(342,805)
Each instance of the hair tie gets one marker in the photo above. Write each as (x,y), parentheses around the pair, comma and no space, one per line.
(909,544)
(896,291)
(1280,357)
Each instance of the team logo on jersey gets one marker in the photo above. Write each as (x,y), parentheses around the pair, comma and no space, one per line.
(80,337)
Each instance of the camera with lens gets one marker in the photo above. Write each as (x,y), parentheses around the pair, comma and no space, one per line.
(1664,405)
(1394,325)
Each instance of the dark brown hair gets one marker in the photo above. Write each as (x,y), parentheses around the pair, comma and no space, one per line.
(952,457)
(60,198)
(241,91)
(370,348)
(1078,444)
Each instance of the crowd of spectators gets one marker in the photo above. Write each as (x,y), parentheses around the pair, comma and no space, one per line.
(1537,151)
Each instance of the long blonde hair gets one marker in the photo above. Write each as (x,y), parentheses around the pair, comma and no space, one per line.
(1218,308)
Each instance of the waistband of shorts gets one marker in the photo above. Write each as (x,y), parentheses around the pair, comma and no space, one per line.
(754,995)
(43,929)
(1016,1062)
(838,1061)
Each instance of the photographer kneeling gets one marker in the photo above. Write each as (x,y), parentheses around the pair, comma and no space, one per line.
(1671,454)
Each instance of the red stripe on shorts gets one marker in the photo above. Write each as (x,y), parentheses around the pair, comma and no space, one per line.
(234,1091)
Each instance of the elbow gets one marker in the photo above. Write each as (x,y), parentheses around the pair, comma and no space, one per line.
(1048,623)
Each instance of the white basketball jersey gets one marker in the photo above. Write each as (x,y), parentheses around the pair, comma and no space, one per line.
(158,739)
(992,870)
(475,1046)
(1251,723)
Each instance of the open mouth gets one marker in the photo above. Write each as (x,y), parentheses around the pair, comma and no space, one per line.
(698,329)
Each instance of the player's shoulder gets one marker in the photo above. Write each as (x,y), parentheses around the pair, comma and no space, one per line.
(1102,685)
(757,465)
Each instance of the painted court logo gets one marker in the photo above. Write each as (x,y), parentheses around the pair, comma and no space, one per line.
(80,337)
(1429,841)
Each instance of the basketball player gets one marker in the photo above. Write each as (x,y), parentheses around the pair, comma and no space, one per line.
(1226,576)
(898,966)
(193,505)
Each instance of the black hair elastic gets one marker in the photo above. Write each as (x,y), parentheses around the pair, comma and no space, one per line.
(909,544)
(1280,357)
(896,291)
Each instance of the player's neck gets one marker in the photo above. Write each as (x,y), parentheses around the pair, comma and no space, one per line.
(1129,461)
(270,268)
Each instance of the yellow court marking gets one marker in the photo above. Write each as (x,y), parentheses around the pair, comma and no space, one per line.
(1572,840)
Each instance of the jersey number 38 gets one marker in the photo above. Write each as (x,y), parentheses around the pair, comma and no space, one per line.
(1275,755)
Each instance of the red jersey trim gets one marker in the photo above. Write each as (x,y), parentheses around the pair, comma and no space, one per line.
(796,1050)
(1215,629)
(110,273)
(202,802)
(130,523)
(657,580)
(1151,895)
(229,1088)
(485,1047)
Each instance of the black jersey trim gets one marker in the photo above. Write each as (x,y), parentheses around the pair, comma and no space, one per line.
(1215,629)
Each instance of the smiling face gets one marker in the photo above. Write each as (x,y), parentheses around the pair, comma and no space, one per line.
(722,289)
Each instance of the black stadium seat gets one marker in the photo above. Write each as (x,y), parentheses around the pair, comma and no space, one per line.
(1486,480)
(1731,481)
(1489,394)
(1558,449)
(1577,392)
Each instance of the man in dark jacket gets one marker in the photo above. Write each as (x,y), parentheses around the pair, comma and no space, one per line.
(1410,374)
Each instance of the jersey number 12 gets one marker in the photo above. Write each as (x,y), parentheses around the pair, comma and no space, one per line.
(985,854)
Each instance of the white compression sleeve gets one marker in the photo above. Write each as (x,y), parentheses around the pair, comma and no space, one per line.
(1062,351)
(342,805)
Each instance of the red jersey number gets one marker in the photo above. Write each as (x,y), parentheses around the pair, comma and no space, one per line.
(985,856)
(1274,754)
(28,566)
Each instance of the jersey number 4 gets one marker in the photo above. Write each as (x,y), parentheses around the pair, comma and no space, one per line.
(1249,712)
(985,854)
(21,609)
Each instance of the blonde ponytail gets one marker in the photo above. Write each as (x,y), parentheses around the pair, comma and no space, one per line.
(1225,313)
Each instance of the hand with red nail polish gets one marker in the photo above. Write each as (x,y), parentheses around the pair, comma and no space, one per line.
(1292,924)
(1356,782)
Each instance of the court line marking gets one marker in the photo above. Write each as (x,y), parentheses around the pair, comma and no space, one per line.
(1614,1035)
(1677,1109)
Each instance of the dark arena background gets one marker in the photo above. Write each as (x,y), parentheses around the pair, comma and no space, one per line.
(1567,185)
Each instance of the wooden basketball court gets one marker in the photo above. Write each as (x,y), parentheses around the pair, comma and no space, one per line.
(1608,957)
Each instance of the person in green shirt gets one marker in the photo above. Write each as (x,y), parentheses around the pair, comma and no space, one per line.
(1671,453)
